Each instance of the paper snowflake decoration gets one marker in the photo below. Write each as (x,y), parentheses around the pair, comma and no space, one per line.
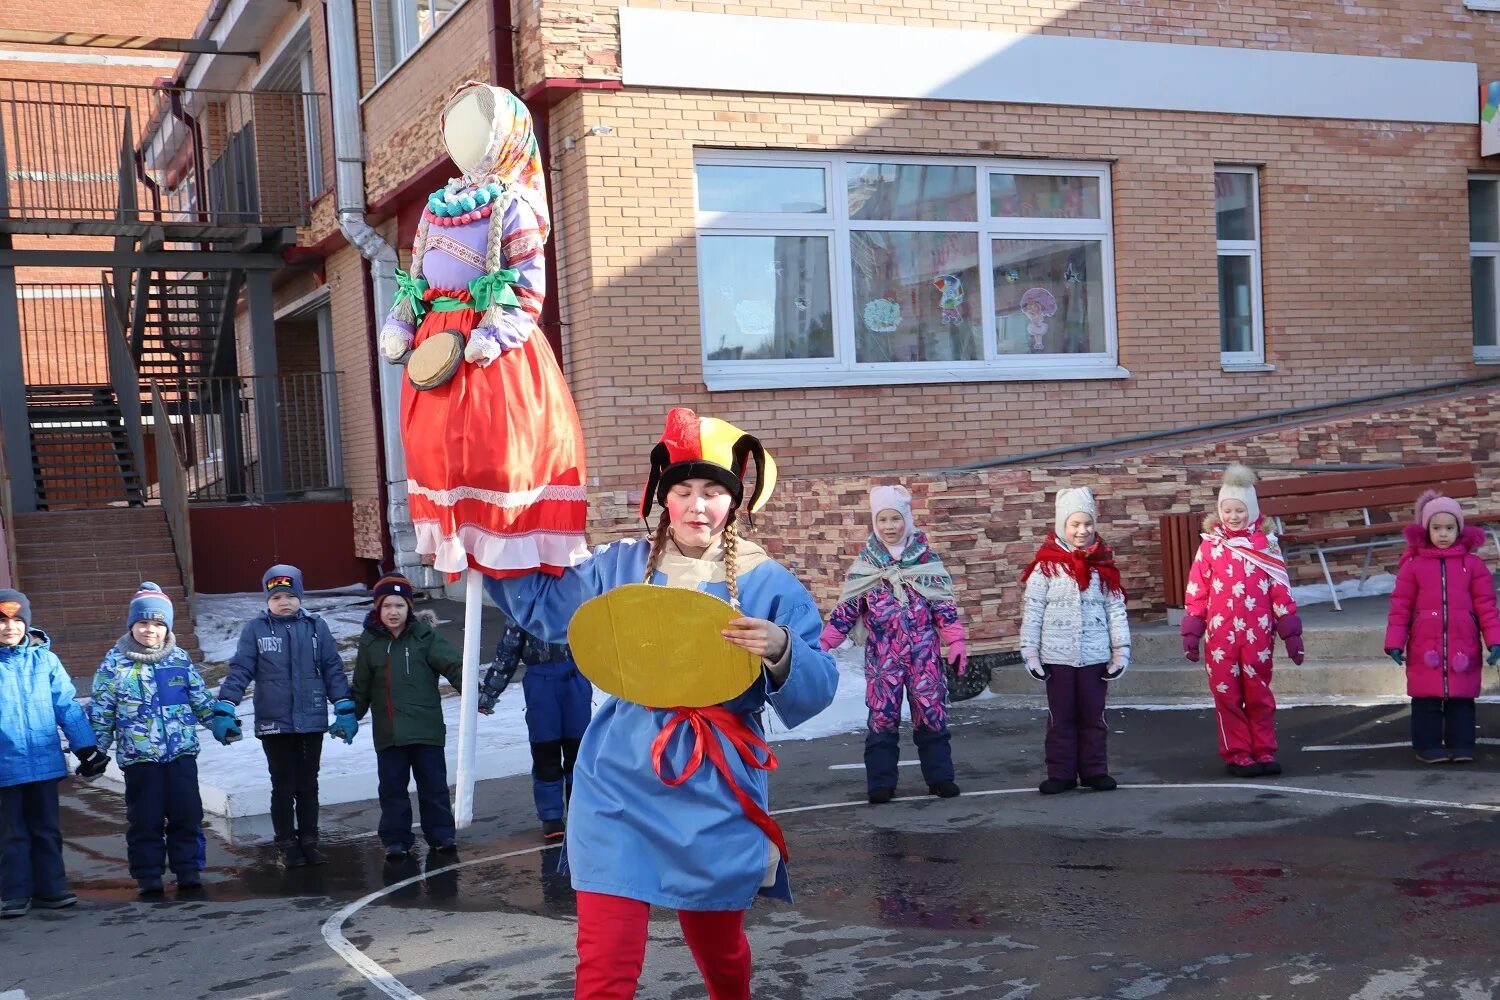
(882,315)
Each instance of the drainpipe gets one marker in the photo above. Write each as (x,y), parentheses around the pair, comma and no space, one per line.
(348,145)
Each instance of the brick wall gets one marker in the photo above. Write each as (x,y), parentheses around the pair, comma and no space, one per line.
(987,525)
(581,38)
(1358,223)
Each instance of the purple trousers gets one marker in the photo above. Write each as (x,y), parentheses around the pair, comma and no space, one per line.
(1076,732)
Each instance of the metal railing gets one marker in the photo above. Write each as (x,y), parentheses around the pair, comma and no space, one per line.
(8,569)
(214,421)
(62,333)
(172,491)
(123,378)
(112,156)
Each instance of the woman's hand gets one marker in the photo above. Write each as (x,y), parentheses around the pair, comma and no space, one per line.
(764,639)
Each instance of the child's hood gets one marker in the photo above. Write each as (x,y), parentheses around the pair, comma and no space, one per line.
(1471,539)
(418,625)
(36,641)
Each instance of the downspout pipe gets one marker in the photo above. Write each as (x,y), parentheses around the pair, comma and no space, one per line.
(349,188)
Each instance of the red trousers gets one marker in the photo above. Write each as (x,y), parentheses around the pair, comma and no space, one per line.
(612,948)
(1239,674)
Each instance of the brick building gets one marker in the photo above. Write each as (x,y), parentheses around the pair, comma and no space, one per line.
(897,239)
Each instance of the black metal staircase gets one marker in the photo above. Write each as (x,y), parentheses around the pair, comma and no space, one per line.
(182,322)
(81,454)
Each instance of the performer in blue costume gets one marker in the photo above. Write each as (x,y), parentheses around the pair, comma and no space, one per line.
(702,844)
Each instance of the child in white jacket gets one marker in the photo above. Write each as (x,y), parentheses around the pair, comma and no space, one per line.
(1075,636)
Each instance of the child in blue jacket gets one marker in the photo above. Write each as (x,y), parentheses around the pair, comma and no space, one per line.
(293,660)
(148,693)
(36,698)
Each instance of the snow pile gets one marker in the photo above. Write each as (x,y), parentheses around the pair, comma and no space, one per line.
(1318,593)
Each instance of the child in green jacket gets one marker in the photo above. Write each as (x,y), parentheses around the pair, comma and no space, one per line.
(401,658)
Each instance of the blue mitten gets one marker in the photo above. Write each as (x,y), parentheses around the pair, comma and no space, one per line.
(345,725)
(1397,655)
(1494,657)
(224,724)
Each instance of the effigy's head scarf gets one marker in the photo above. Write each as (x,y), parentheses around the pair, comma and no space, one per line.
(512,157)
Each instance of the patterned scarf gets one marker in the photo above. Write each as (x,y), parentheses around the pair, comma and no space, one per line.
(1255,549)
(1056,559)
(513,157)
(918,568)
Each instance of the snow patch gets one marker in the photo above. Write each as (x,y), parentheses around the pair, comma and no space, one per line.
(1318,593)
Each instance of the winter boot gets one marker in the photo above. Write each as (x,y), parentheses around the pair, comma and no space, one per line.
(311,853)
(1269,765)
(1101,783)
(148,887)
(59,902)
(943,789)
(15,908)
(880,796)
(291,854)
(554,829)
(1056,786)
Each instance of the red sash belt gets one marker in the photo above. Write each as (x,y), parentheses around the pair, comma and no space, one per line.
(707,723)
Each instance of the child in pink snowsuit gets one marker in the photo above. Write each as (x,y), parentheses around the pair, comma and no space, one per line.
(1238,595)
(1444,600)
(899,590)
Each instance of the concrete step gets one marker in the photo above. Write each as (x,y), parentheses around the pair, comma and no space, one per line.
(1152,682)
(1356,640)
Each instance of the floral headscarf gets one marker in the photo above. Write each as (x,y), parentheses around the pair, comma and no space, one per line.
(513,157)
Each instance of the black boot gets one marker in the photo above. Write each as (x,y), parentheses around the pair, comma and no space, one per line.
(1101,782)
(943,789)
(291,853)
(1056,786)
(311,853)
(880,796)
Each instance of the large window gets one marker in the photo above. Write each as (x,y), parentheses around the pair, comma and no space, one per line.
(1242,341)
(818,270)
(401,25)
(1484,249)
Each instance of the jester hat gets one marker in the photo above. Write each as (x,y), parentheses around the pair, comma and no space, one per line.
(694,447)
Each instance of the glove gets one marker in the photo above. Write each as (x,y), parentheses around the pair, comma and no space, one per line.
(224,724)
(345,725)
(483,347)
(831,638)
(1119,662)
(958,648)
(91,762)
(1192,635)
(1290,630)
(1034,665)
(1400,657)
(1494,656)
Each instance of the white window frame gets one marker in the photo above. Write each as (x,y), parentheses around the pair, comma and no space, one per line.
(834,224)
(1255,358)
(1488,354)
(407,34)
(1482,4)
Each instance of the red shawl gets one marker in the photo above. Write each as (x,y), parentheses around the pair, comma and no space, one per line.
(1055,560)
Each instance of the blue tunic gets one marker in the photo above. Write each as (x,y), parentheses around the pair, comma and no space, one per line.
(690,847)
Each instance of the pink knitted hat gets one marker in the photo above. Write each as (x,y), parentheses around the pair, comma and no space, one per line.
(1433,503)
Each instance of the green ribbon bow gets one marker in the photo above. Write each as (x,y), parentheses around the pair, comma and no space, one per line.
(494,289)
(411,290)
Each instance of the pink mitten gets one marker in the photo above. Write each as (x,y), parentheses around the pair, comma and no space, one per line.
(958,648)
(831,638)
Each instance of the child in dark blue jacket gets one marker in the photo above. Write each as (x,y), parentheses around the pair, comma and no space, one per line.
(293,660)
(36,698)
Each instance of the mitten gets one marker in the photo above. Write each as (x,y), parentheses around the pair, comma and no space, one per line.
(1192,629)
(1034,665)
(345,725)
(91,762)
(1494,656)
(831,638)
(482,347)
(1290,630)
(1119,662)
(395,340)
(958,649)
(224,724)
(1400,657)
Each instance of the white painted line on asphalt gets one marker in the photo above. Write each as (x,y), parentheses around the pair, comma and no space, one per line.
(333,927)
(1492,741)
(841,767)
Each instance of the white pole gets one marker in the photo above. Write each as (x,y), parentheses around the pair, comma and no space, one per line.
(468,711)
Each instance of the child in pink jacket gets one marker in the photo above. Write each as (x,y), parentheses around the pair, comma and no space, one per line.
(1238,601)
(1444,600)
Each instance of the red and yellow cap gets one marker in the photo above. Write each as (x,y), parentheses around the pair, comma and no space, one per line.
(694,447)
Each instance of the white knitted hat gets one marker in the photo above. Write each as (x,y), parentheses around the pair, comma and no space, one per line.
(1070,502)
(1239,484)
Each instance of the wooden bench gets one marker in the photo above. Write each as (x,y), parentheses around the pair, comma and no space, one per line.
(1389,493)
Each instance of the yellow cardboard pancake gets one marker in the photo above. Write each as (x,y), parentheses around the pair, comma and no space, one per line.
(661,647)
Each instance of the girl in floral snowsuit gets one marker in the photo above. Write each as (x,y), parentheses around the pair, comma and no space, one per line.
(900,593)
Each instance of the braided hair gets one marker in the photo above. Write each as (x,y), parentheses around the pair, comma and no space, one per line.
(731,547)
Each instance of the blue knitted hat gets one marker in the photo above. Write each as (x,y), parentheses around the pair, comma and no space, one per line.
(282,577)
(150,605)
(13,604)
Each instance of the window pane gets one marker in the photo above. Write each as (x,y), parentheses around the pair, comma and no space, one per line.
(1234,205)
(766,298)
(1043,196)
(911,192)
(1236,308)
(1049,297)
(1482,276)
(1484,213)
(431,13)
(761,189)
(915,296)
